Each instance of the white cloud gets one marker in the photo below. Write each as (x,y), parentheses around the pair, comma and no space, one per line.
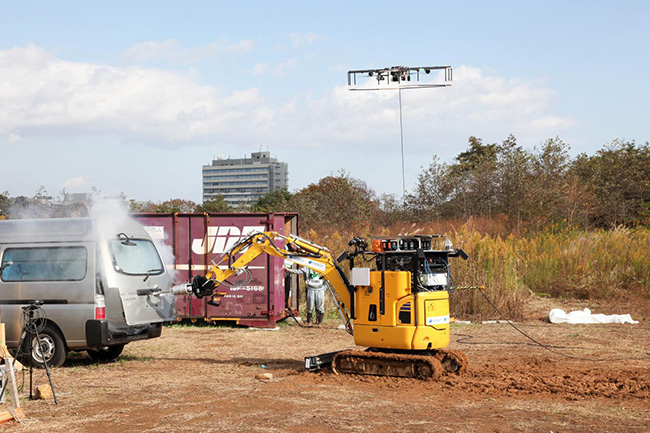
(299,39)
(173,52)
(279,70)
(475,104)
(41,95)
(75,183)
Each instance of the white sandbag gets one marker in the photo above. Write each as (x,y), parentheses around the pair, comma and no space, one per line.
(560,316)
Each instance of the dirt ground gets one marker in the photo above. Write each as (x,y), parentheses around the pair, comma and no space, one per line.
(196,379)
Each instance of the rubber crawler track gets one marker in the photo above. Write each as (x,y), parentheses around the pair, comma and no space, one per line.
(454,361)
(388,364)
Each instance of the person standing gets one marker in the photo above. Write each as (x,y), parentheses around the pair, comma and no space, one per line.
(315,287)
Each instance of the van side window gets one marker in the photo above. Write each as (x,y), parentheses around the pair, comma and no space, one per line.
(44,264)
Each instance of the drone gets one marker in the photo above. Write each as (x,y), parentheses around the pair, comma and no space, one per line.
(403,76)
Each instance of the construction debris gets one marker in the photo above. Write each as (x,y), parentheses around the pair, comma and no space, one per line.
(11,415)
(43,392)
(264,376)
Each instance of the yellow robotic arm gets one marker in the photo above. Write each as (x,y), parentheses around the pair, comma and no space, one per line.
(292,249)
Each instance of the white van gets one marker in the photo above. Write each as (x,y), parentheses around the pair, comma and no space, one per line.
(87,273)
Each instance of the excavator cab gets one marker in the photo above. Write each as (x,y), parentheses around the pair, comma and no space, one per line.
(402,302)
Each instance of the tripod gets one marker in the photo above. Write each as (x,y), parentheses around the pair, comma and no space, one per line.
(34,318)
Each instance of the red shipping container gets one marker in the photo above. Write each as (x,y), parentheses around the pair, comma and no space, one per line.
(198,240)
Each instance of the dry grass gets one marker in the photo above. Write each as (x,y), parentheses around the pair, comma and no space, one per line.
(569,264)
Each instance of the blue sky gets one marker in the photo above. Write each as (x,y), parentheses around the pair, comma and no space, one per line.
(135,97)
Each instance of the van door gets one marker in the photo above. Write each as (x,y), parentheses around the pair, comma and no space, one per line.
(138,277)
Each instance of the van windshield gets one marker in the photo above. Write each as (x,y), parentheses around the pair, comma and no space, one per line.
(135,257)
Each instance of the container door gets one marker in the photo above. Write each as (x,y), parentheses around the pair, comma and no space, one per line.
(248,297)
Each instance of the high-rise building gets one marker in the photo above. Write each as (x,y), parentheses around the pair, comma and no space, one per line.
(244,180)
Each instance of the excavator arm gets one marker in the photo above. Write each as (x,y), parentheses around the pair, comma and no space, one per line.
(290,248)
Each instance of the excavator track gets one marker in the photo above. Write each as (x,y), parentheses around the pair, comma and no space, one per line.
(428,366)
(453,361)
(387,364)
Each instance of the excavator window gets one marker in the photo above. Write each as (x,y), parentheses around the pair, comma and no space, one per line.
(404,315)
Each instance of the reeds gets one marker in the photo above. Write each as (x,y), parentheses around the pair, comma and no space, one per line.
(572,264)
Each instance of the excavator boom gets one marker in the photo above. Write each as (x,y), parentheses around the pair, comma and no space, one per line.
(292,249)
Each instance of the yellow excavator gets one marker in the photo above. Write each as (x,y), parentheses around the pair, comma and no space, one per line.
(397,305)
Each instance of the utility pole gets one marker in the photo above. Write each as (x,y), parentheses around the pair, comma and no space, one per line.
(398,78)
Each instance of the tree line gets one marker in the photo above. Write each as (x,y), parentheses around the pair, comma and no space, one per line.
(538,188)
(525,189)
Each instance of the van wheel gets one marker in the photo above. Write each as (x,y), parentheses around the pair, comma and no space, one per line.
(53,348)
(106,354)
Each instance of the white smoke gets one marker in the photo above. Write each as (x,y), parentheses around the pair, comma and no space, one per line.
(110,213)
(113,213)
(167,254)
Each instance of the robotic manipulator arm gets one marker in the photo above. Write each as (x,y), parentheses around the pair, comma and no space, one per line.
(291,248)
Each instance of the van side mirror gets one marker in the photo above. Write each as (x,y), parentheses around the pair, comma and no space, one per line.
(5,265)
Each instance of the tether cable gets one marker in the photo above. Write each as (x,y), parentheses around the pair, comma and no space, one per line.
(545,346)
(293,316)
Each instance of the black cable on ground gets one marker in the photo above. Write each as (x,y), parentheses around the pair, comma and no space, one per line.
(545,346)
(464,337)
(293,316)
(523,333)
